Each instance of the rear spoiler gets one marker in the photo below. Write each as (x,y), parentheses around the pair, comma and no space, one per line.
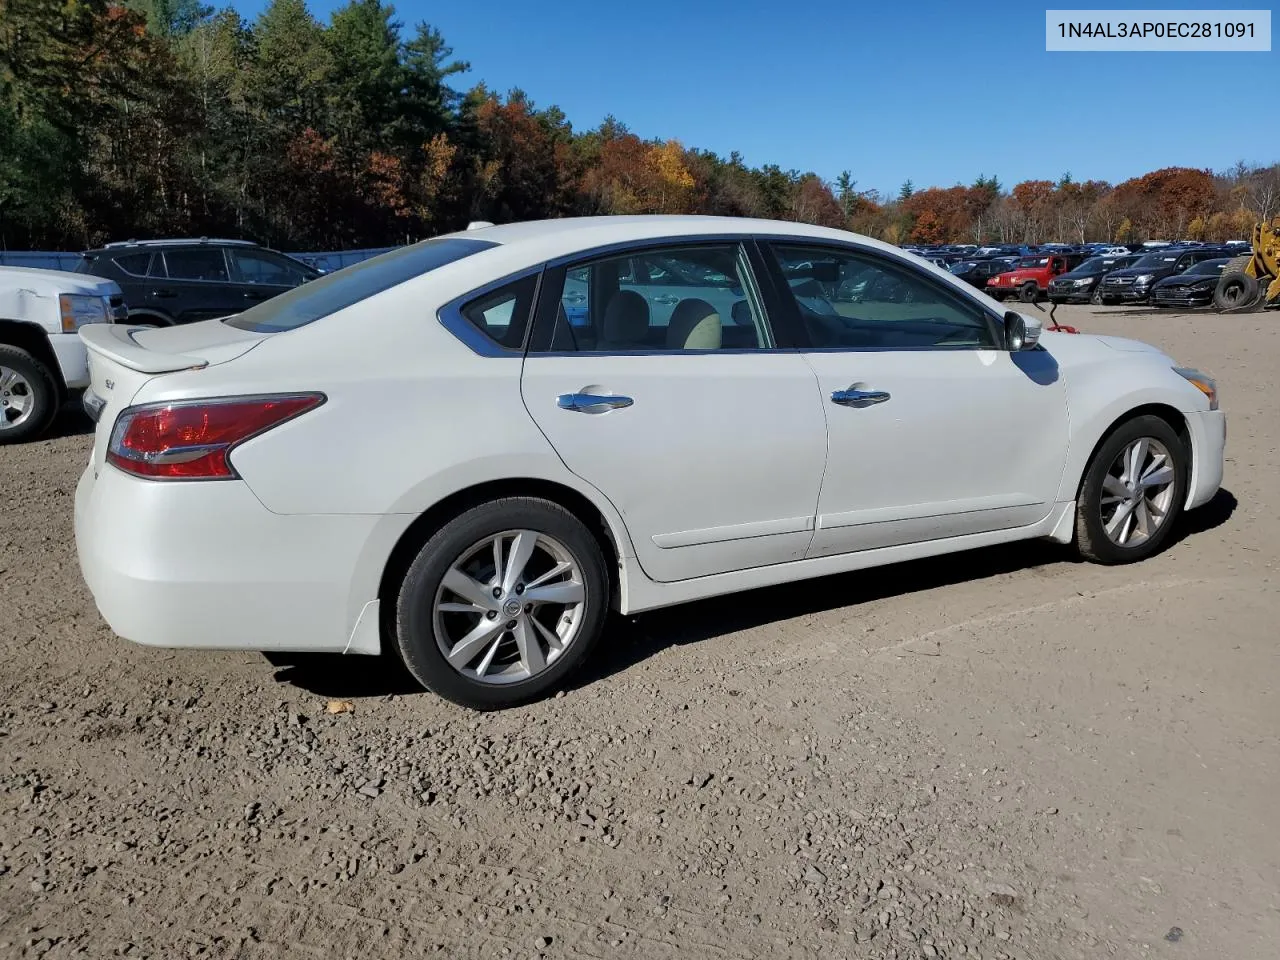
(115,342)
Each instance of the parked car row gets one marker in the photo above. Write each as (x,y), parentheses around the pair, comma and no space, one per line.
(1136,283)
(1111,277)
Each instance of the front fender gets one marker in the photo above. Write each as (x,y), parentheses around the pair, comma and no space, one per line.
(1095,406)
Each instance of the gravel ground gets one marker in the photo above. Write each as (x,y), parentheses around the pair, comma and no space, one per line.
(1004,754)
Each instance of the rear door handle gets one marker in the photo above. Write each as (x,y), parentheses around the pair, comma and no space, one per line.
(666,299)
(858,398)
(592,402)
(163,293)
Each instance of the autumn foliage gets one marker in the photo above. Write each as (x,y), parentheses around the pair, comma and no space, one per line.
(164,117)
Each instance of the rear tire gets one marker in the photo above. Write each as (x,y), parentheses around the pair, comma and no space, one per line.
(1132,492)
(28,395)
(502,603)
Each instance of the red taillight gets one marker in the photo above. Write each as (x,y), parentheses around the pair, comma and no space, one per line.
(192,440)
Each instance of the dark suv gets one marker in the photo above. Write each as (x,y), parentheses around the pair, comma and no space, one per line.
(1084,283)
(1133,284)
(183,281)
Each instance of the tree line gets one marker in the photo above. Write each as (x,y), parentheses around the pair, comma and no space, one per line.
(168,118)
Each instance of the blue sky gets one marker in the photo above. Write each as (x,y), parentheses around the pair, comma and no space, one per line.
(931,91)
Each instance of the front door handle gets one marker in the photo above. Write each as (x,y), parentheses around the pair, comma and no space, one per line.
(858,398)
(163,293)
(666,299)
(592,402)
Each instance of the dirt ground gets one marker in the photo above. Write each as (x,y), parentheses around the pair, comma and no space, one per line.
(1005,754)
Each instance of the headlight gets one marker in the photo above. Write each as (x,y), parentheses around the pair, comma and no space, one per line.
(1145,278)
(1083,283)
(1202,382)
(79,309)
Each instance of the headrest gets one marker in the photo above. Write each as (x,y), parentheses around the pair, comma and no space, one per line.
(626,318)
(695,325)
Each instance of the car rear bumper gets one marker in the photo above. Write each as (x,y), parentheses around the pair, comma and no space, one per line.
(1208,446)
(205,564)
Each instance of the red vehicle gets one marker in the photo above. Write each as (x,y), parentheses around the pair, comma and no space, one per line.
(1029,280)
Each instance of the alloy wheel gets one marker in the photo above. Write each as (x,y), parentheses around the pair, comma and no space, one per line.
(1137,492)
(509,607)
(17,399)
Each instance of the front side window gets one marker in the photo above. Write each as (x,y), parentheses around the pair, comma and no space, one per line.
(255,266)
(198,264)
(852,300)
(679,299)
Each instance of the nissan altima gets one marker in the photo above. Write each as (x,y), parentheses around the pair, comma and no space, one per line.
(465,453)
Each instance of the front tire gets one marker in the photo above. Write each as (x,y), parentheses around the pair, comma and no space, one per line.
(1132,493)
(1028,293)
(28,395)
(502,603)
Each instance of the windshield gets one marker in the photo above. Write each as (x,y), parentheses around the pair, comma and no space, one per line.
(1208,267)
(1095,265)
(1030,263)
(1157,260)
(340,289)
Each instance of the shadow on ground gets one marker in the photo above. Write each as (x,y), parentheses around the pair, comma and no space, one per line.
(631,640)
(71,421)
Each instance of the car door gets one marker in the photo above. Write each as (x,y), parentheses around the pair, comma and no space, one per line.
(934,430)
(193,284)
(262,274)
(712,453)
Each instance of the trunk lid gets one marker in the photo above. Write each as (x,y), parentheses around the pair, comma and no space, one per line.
(123,358)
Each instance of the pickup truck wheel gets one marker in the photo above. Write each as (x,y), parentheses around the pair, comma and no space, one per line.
(28,395)
(1028,293)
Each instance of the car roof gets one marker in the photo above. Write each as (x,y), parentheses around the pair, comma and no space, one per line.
(173,242)
(570,234)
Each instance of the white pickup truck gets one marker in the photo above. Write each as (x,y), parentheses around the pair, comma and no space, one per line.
(42,358)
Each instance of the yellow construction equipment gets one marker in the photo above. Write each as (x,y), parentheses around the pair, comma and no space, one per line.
(1251,282)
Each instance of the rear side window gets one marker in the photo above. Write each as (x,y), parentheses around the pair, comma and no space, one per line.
(200,264)
(339,290)
(135,264)
(503,315)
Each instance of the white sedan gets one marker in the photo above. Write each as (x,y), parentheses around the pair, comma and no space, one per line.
(466,452)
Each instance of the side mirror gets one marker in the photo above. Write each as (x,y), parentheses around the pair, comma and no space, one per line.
(1020,331)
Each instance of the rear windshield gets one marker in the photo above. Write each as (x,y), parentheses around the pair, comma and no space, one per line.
(338,290)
